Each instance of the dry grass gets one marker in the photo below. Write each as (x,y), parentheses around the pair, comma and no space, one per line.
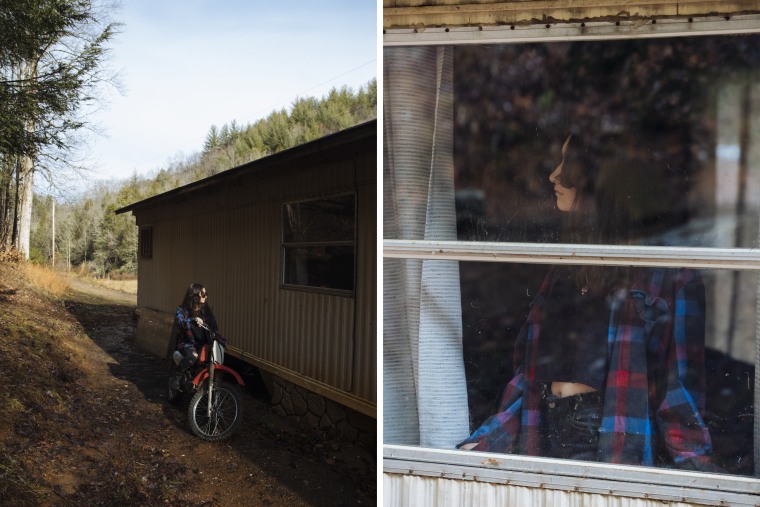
(37,376)
(45,278)
(128,286)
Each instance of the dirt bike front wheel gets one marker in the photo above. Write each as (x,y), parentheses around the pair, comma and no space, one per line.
(226,412)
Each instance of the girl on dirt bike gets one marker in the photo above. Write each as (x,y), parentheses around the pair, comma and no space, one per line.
(191,315)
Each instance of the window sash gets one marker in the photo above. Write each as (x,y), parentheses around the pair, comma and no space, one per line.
(640,482)
(553,253)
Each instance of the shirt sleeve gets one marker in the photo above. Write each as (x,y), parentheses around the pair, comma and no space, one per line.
(679,414)
(499,432)
(183,319)
(185,334)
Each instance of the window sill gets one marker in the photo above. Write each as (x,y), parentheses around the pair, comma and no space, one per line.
(582,477)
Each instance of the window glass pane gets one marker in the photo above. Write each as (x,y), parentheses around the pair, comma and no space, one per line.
(663,351)
(329,267)
(146,242)
(664,146)
(322,220)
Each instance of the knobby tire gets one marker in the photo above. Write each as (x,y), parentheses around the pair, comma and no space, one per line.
(226,415)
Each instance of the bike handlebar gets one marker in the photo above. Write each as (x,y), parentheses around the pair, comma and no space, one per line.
(214,335)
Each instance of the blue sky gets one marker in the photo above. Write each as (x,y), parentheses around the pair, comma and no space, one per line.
(187,65)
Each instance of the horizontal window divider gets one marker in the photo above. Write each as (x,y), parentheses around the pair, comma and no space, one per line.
(347,242)
(327,291)
(585,477)
(565,31)
(554,253)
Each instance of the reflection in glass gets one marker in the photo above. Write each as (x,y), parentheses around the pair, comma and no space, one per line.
(318,242)
(319,220)
(326,267)
(626,142)
(503,305)
(677,132)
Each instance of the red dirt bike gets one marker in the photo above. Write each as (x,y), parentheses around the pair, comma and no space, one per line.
(215,411)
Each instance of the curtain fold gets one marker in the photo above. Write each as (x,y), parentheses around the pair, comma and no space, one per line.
(425,397)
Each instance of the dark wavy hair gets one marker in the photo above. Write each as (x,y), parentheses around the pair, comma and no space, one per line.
(607,195)
(192,300)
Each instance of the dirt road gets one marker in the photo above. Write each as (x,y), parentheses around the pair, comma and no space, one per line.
(133,448)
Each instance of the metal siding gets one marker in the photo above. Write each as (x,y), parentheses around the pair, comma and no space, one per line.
(365,367)
(407,490)
(236,254)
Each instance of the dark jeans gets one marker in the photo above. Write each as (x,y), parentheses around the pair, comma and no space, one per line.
(571,424)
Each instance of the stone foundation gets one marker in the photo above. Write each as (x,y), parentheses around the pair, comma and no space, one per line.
(315,412)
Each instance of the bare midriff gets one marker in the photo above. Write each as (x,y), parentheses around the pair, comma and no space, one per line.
(565,389)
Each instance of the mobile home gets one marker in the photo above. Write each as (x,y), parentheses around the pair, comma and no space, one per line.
(286,246)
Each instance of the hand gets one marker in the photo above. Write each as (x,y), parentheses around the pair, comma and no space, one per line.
(199,321)
(467,447)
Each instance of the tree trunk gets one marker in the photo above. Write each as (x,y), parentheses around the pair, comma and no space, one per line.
(5,205)
(25,206)
(16,203)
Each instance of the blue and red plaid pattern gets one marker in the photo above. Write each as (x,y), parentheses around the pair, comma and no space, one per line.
(185,323)
(654,392)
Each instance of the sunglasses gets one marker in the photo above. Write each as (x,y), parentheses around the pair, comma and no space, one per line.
(203,294)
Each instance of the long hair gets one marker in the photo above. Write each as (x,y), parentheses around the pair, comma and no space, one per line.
(606,192)
(192,300)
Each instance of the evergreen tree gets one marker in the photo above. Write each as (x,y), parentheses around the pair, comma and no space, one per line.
(212,139)
(51,55)
(106,243)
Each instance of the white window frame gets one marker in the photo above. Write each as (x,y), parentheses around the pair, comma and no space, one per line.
(614,480)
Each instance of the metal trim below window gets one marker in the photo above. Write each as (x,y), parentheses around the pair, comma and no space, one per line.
(585,477)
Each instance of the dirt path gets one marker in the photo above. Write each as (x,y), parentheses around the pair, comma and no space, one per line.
(137,435)
(92,290)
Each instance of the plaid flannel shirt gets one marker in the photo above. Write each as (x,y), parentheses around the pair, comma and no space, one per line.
(654,393)
(185,321)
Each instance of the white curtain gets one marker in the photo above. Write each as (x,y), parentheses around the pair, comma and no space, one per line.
(424,391)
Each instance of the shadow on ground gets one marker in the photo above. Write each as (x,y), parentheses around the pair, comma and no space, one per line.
(267,446)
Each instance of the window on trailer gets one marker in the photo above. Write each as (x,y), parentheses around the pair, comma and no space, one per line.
(493,276)
(318,242)
(146,242)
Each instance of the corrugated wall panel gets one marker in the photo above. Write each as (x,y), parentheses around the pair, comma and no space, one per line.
(313,334)
(365,366)
(408,490)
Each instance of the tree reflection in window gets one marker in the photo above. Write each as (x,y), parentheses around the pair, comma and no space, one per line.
(318,243)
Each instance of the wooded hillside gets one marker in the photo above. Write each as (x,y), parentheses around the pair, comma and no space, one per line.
(91,237)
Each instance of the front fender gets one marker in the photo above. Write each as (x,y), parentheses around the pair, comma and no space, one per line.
(203,374)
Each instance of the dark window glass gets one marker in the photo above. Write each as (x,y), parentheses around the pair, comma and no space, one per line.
(319,221)
(327,267)
(675,132)
(500,300)
(146,242)
(318,243)
(620,142)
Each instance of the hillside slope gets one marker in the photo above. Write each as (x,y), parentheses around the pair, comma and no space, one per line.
(83,421)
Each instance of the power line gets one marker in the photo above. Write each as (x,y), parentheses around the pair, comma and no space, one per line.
(270,108)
